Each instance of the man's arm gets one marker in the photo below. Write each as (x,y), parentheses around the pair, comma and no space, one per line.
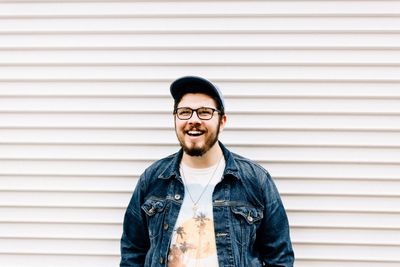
(135,240)
(273,236)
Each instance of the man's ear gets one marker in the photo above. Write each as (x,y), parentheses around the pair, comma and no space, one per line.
(222,123)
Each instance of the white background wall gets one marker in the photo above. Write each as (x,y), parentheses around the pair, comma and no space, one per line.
(312,91)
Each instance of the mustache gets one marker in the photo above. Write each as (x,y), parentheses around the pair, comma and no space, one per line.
(195,129)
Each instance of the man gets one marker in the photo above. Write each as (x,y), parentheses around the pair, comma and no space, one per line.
(204,205)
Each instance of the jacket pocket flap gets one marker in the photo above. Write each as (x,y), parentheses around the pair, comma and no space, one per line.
(152,206)
(251,215)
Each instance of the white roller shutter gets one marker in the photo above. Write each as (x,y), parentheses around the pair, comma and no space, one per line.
(312,91)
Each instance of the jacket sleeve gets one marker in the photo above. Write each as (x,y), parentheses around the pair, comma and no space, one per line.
(273,235)
(135,239)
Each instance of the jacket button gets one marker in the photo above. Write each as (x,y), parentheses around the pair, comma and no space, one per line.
(250,219)
(177,197)
(161,260)
(166,226)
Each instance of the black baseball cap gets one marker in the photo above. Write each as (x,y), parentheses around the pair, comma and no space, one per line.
(195,84)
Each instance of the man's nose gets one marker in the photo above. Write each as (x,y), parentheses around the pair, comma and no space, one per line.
(195,118)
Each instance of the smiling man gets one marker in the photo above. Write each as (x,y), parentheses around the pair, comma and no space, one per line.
(198,134)
(204,205)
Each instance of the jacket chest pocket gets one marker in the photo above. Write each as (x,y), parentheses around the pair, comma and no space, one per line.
(155,211)
(245,220)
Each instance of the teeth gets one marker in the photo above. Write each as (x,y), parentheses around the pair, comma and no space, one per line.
(194,133)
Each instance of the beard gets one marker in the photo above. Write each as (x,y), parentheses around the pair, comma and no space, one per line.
(196,150)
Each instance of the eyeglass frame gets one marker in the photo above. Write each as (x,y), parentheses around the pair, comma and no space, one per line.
(195,110)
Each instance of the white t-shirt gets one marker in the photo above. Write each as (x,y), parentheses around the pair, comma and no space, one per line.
(193,239)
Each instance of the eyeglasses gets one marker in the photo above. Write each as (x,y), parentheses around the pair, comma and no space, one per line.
(203,113)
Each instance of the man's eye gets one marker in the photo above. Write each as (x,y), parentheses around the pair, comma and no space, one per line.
(184,112)
(205,111)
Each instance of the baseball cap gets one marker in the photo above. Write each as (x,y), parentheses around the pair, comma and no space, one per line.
(195,84)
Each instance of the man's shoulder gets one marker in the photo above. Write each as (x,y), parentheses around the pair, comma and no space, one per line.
(246,164)
(164,161)
(160,166)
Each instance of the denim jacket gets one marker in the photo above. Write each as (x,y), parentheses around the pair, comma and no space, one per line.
(251,226)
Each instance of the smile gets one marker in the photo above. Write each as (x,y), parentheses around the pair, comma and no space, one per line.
(194,133)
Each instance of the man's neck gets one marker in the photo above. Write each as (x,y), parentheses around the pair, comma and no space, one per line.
(210,158)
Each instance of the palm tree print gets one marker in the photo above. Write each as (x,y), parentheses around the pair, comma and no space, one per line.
(201,221)
(185,247)
(180,231)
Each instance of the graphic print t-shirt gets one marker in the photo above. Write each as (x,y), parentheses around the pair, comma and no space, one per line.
(193,240)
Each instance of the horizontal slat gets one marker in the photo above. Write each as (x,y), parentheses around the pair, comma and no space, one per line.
(188,40)
(338,203)
(231,88)
(91,216)
(346,236)
(72,167)
(76,215)
(334,170)
(87,104)
(194,24)
(119,200)
(64,199)
(312,105)
(17,259)
(135,168)
(80,152)
(81,120)
(86,89)
(348,252)
(228,136)
(345,220)
(314,121)
(191,8)
(113,232)
(110,232)
(111,136)
(339,187)
(310,138)
(327,186)
(152,122)
(60,246)
(164,104)
(142,152)
(341,263)
(67,183)
(244,72)
(320,154)
(206,56)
